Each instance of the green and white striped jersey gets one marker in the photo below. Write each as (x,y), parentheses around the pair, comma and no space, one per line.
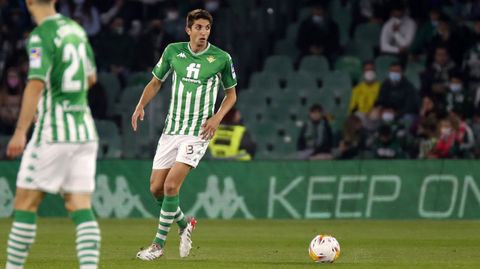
(196,78)
(61,56)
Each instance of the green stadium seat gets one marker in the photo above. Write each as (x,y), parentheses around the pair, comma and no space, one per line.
(128,99)
(363,51)
(368,33)
(382,65)
(278,65)
(110,144)
(264,80)
(317,66)
(301,80)
(337,81)
(350,64)
(112,88)
(139,79)
(287,47)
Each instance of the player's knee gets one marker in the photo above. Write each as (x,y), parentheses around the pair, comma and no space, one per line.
(156,191)
(170,189)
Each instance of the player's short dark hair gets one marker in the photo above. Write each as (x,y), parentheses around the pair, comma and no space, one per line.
(316,107)
(396,63)
(368,62)
(197,14)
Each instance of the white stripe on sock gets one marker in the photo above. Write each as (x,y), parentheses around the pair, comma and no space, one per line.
(87,224)
(163,228)
(89,252)
(15,245)
(23,233)
(17,253)
(15,259)
(87,237)
(170,221)
(85,245)
(24,225)
(13,266)
(88,259)
(168,214)
(21,239)
(161,236)
(89,230)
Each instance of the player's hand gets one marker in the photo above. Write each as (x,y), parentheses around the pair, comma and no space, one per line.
(209,128)
(16,145)
(139,113)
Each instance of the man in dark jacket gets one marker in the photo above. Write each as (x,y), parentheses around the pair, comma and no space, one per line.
(315,139)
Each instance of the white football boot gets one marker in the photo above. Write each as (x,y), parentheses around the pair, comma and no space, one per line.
(151,253)
(186,238)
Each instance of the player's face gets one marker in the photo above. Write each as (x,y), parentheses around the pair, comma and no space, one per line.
(199,32)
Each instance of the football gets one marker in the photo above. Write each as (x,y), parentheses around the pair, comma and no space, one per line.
(324,249)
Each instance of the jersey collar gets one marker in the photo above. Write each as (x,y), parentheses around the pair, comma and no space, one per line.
(198,53)
(52,17)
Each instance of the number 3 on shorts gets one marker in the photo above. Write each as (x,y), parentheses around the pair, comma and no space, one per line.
(189,149)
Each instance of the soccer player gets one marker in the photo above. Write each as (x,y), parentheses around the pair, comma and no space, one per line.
(61,155)
(198,70)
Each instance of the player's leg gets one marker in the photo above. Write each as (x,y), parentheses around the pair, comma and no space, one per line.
(171,202)
(87,230)
(78,188)
(24,227)
(157,180)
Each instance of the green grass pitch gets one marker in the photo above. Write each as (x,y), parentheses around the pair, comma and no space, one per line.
(266,244)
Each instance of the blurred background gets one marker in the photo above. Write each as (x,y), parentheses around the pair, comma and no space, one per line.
(332,79)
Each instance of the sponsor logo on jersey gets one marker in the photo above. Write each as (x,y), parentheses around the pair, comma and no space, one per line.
(182,55)
(35,57)
(211,59)
(35,39)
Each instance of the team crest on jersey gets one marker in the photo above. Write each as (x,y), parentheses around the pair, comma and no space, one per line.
(211,59)
(182,55)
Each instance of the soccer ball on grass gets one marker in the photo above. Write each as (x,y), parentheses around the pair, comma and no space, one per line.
(324,249)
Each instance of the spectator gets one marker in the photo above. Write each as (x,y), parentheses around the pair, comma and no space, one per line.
(151,45)
(426,136)
(10,101)
(232,140)
(365,94)
(463,134)
(446,36)
(446,146)
(398,93)
(354,139)
(113,10)
(426,32)
(84,12)
(115,46)
(471,60)
(173,24)
(458,99)
(476,132)
(315,140)
(386,145)
(398,32)
(435,79)
(319,35)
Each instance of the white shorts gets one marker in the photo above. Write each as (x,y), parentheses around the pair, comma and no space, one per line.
(59,167)
(186,149)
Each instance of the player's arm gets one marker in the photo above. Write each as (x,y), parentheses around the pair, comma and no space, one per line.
(149,92)
(92,79)
(30,100)
(211,125)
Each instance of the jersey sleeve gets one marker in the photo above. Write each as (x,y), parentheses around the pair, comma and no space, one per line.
(40,57)
(163,67)
(91,64)
(229,78)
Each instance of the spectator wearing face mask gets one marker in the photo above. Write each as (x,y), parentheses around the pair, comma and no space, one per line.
(458,98)
(173,24)
(398,32)
(398,93)
(10,101)
(151,44)
(319,35)
(365,94)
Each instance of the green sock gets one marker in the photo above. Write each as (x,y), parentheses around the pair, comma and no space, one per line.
(22,236)
(167,216)
(88,238)
(179,217)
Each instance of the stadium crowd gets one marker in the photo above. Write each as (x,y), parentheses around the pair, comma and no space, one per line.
(422,104)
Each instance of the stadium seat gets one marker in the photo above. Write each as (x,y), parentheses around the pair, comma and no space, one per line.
(368,33)
(301,80)
(264,80)
(363,51)
(382,65)
(287,47)
(337,81)
(110,144)
(128,99)
(139,79)
(112,90)
(316,66)
(350,64)
(278,65)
